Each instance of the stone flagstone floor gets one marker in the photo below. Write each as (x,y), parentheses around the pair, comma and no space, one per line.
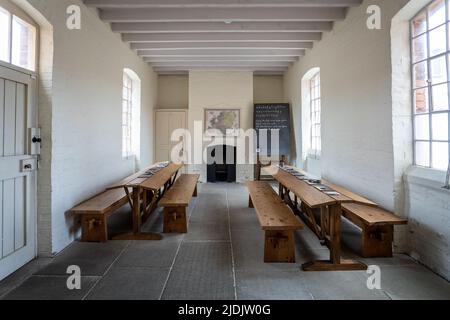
(221,257)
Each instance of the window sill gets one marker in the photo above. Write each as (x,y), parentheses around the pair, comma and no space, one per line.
(426,177)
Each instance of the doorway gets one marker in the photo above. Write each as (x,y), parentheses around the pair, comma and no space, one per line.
(166,122)
(221,164)
(17,170)
(18,150)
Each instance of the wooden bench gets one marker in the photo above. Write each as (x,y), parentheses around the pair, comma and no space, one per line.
(95,212)
(175,202)
(377,228)
(277,221)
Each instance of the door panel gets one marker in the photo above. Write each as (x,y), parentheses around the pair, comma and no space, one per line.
(2,98)
(19,214)
(8,217)
(9,122)
(17,187)
(166,123)
(21,124)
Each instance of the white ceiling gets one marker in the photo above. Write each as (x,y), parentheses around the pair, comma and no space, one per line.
(265,36)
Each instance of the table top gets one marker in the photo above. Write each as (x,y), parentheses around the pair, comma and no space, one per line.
(313,197)
(354,198)
(154,182)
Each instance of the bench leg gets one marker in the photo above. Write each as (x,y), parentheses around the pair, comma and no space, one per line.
(94,228)
(175,220)
(377,241)
(250,202)
(279,246)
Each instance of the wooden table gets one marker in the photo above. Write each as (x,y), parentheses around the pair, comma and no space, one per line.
(328,228)
(152,190)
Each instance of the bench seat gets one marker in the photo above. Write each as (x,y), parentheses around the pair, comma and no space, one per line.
(277,220)
(95,212)
(377,228)
(175,202)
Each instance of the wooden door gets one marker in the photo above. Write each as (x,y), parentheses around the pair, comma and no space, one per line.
(17,170)
(166,122)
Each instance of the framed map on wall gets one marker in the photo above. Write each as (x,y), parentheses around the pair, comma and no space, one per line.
(222,121)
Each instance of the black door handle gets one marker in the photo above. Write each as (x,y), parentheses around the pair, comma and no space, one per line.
(36,140)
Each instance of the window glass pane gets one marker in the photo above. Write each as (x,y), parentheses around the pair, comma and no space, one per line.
(438,42)
(420,71)
(436,13)
(315,115)
(421,100)
(4,35)
(419,24)
(440,97)
(127,109)
(423,154)
(440,155)
(438,70)
(23,44)
(439,125)
(420,48)
(422,127)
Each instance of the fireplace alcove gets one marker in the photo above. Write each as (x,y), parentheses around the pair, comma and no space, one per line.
(221,164)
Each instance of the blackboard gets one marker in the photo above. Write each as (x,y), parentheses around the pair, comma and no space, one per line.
(273,117)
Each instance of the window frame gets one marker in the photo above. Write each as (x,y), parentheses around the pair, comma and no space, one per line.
(127,141)
(429,86)
(9,44)
(14,13)
(315,151)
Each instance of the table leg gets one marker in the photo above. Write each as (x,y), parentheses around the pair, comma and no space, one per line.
(335,263)
(137,234)
(152,200)
(136,210)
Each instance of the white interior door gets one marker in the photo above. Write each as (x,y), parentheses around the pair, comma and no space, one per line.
(166,123)
(17,171)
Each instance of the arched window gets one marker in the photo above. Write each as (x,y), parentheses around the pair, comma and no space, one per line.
(315,116)
(131,106)
(311,114)
(18,38)
(430,72)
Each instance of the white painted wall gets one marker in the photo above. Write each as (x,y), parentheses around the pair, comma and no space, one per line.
(86,115)
(356,102)
(221,90)
(366,134)
(268,89)
(428,208)
(173,91)
(419,192)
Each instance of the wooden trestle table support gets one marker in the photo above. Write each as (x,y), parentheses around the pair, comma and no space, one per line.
(327,229)
(151,189)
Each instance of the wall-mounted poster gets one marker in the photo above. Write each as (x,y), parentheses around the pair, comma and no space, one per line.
(222,121)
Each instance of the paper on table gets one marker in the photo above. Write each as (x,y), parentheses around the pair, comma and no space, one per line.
(332,193)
